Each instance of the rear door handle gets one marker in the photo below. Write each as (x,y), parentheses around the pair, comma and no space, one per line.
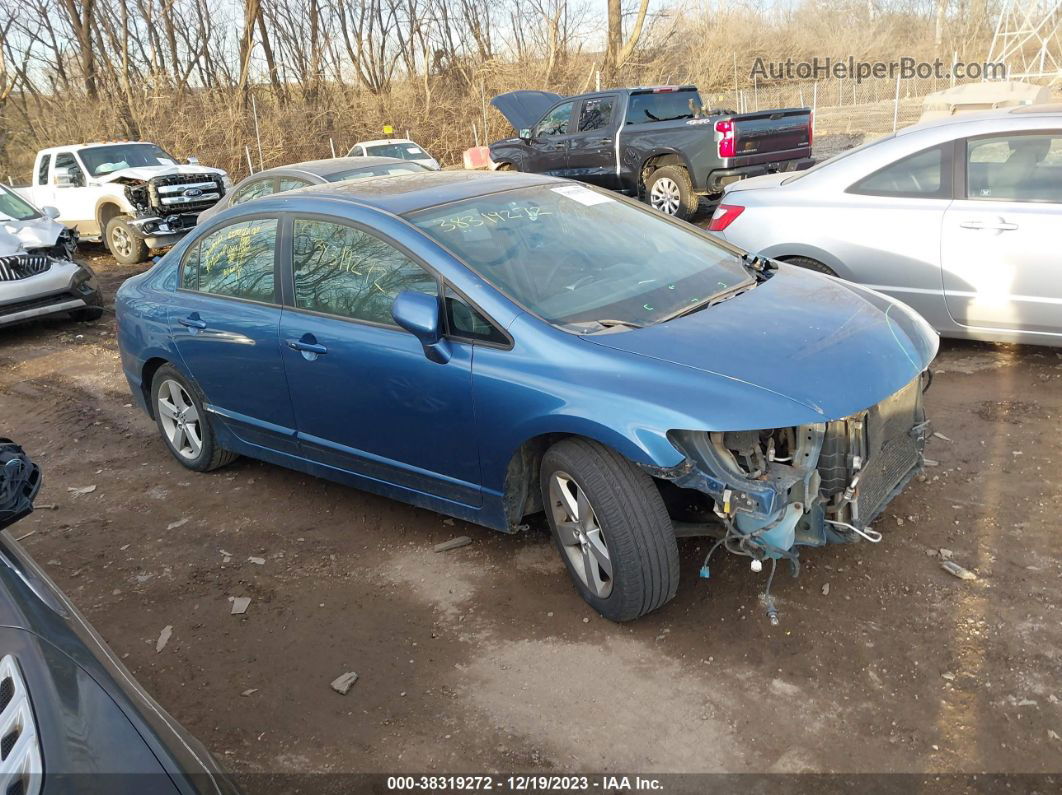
(1001,226)
(193,321)
(307,347)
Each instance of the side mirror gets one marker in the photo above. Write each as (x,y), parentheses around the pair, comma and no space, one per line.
(64,178)
(419,314)
(525,134)
(50,212)
(192,161)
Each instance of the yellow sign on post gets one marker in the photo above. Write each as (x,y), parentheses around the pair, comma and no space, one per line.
(389,130)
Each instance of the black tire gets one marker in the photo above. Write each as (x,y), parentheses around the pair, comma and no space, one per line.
(810,264)
(635,525)
(210,456)
(681,201)
(506,167)
(93,310)
(123,242)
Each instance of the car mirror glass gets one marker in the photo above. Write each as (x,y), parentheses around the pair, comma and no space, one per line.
(50,212)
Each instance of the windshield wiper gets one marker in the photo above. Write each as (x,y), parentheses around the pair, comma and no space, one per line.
(711,300)
(610,323)
(761,266)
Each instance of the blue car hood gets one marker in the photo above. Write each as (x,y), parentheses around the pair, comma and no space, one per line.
(834,347)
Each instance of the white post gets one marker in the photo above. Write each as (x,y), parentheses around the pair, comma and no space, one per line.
(597,74)
(954,60)
(257,133)
(332,146)
(896,104)
(475,134)
(250,163)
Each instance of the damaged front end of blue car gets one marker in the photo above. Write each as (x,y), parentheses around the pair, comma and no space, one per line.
(772,491)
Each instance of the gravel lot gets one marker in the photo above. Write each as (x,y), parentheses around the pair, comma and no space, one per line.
(484,658)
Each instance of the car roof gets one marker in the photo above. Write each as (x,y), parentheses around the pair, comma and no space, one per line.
(386,141)
(406,193)
(331,165)
(1023,111)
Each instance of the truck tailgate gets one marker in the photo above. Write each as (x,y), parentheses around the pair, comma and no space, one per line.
(766,135)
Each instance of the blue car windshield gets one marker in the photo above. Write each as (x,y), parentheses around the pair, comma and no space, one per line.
(582,259)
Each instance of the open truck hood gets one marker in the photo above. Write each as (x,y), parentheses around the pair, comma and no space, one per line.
(834,347)
(147,172)
(523,108)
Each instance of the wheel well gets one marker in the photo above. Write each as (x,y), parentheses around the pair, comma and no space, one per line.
(659,161)
(147,375)
(105,213)
(823,267)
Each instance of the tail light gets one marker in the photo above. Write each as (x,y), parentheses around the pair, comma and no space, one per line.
(724,137)
(811,127)
(724,216)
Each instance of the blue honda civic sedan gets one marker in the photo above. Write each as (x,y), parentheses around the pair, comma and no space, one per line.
(496,346)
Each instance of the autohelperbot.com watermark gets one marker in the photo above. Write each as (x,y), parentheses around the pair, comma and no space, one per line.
(849,68)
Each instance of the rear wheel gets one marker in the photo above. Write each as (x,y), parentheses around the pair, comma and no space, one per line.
(506,167)
(183,423)
(124,243)
(669,190)
(611,528)
(810,264)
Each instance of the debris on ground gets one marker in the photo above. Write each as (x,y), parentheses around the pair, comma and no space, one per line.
(342,684)
(239,605)
(164,638)
(249,691)
(945,554)
(929,462)
(26,535)
(256,561)
(225,556)
(77,491)
(453,543)
(954,569)
(178,523)
(826,589)
(48,506)
(448,522)
(941,436)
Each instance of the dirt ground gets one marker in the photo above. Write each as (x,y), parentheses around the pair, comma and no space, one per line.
(485,659)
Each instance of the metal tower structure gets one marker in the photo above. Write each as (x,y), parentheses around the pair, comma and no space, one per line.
(1028,39)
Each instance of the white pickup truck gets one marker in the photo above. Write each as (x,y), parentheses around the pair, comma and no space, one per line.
(134,196)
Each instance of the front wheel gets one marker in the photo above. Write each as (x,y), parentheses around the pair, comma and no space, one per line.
(183,422)
(669,190)
(125,244)
(611,528)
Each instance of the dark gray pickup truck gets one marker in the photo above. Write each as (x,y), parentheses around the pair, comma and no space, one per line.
(658,143)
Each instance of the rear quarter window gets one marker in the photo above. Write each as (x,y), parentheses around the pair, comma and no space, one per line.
(664,106)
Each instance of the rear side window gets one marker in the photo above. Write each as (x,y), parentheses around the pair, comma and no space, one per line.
(925,174)
(236,261)
(663,106)
(342,270)
(291,183)
(42,169)
(1023,168)
(252,190)
(596,113)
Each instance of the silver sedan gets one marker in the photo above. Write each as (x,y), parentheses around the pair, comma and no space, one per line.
(960,218)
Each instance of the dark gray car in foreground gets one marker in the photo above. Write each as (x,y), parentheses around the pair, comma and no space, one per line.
(72,718)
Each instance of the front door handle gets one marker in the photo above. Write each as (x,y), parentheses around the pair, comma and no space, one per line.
(305,346)
(193,321)
(1000,226)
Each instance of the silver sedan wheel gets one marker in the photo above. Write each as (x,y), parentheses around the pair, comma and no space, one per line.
(180,420)
(665,195)
(580,534)
(121,242)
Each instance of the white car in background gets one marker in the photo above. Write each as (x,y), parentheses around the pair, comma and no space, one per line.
(38,275)
(402,148)
(961,218)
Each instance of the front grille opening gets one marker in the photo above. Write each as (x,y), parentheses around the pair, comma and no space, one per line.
(7,692)
(9,742)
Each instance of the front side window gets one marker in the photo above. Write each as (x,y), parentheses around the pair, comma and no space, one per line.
(466,322)
(582,259)
(236,261)
(342,270)
(253,190)
(14,207)
(555,122)
(925,175)
(100,160)
(67,161)
(1015,168)
(596,114)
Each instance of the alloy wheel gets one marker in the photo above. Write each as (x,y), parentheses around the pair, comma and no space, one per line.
(180,420)
(121,242)
(580,534)
(665,196)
